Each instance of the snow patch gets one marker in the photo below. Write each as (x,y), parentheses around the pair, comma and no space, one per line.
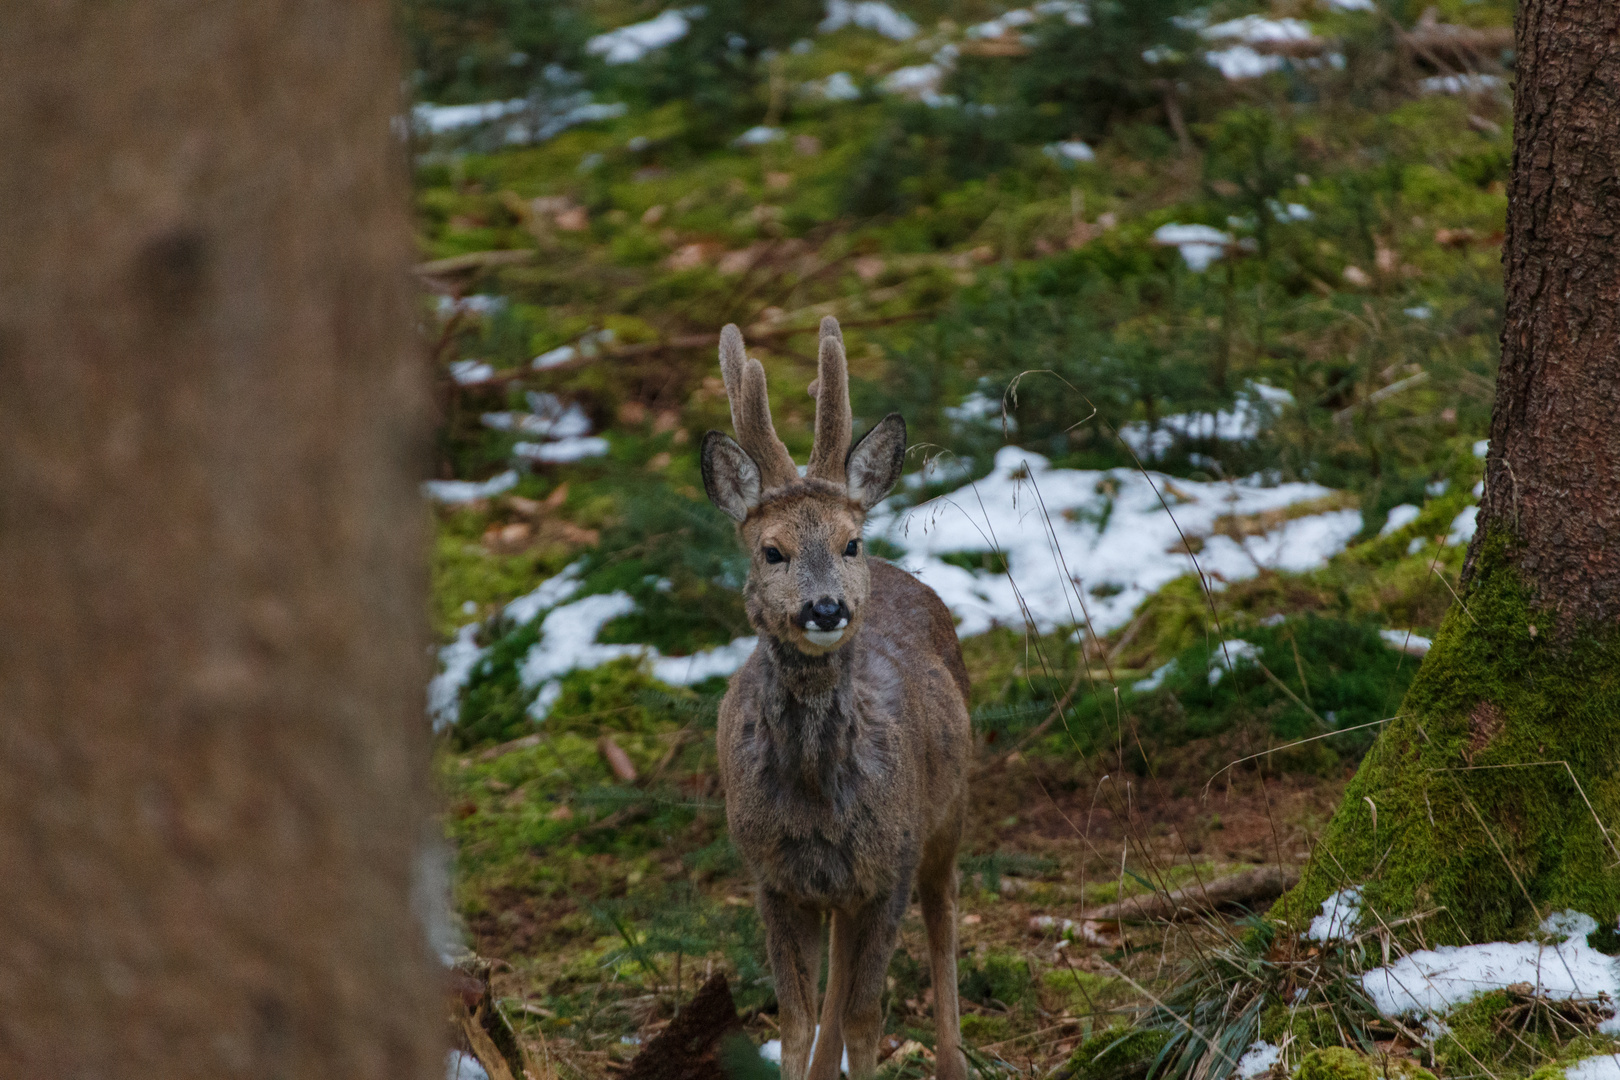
(1460,84)
(920,79)
(838,86)
(1407,642)
(1200,245)
(471,372)
(452,492)
(1605,1067)
(871,15)
(563,450)
(568,639)
(759,135)
(1228,655)
(720,660)
(560,355)
(1070,150)
(1462,526)
(457,660)
(463,1066)
(541,119)
(1242,423)
(548,418)
(438,119)
(1073,13)
(629,44)
(1097,527)
(549,593)
(1259,1058)
(1341,914)
(1254,29)
(1243,62)
(1432,981)
(1399,518)
(772,1051)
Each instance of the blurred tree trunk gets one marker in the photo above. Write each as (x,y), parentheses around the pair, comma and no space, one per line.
(212,749)
(1498,789)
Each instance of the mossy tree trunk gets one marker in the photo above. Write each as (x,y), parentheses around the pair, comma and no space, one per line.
(1496,794)
(213,760)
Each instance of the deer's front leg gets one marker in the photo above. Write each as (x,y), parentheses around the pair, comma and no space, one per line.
(793,942)
(868,939)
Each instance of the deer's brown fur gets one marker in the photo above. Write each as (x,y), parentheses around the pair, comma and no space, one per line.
(843,750)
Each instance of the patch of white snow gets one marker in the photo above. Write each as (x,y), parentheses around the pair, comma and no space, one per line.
(1200,245)
(452,492)
(1469,83)
(1433,981)
(1100,526)
(1258,1058)
(1407,642)
(759,135)
(547,595)
(1399,518)
(871,15)
(772,1051)
(1072,150)
(1228,655)
(444,689)
(689,670)
(563,450)
(1243,62)
(838,86)
(463,1066)
(628,44)
(1462,526)
(1603,1067)
(1341,915)
(471,372)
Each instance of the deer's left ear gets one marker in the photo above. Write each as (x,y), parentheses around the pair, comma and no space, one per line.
(875,462)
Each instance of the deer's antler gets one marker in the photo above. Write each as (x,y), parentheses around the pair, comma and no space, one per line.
(751,411)
(833,419)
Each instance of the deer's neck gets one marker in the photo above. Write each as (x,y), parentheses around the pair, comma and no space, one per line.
(811,719)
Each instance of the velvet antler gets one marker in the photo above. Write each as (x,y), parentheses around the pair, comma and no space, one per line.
(833,419)
(751,411)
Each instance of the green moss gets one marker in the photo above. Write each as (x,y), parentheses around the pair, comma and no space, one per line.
(1084,991)
(979,1030)
(1114,1054)
(1478,811)
(1334,1063)
(1002,977)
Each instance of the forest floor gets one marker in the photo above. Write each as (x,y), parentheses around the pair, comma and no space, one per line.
(1044,839)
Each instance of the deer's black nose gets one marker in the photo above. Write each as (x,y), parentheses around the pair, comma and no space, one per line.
(826,614)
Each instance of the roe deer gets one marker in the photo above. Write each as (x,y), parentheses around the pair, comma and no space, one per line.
(844,739)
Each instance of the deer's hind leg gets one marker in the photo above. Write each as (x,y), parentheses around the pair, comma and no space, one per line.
(793,942)
(936,889)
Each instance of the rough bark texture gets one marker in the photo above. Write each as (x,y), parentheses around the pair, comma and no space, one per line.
(1493,799)
(212,752)
(1551,477)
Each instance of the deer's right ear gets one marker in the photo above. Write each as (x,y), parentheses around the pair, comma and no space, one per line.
(729,476)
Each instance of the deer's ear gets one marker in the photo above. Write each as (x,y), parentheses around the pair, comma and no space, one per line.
(874,463)
(729,476)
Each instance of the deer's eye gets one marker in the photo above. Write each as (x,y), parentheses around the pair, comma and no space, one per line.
(773,556)
(852,549)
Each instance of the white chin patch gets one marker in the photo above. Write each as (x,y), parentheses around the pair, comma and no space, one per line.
(826,639)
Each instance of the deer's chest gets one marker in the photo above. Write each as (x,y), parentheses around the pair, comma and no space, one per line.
(828,829)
